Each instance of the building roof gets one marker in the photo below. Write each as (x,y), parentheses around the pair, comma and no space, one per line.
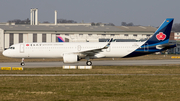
(76,28)
(137,28)
(58,28)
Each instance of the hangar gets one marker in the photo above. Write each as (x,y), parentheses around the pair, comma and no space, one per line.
(13,34)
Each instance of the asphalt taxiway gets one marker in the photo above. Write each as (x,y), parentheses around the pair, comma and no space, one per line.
(95,63)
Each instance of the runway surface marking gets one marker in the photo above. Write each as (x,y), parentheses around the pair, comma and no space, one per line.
(89,75)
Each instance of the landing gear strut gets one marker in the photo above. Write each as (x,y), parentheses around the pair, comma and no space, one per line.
(22,62)
(89,63)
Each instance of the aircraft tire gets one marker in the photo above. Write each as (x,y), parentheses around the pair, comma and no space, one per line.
(89,63)
(22,63)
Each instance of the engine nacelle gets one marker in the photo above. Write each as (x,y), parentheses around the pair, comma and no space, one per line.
(70,58)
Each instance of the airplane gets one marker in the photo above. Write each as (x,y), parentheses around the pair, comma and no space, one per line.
(72,52)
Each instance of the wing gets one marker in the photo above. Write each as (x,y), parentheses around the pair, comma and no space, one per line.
(92,52)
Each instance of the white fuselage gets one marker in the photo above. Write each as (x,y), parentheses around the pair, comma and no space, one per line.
(56,50)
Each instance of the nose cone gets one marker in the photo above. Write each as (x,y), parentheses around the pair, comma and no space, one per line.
(6,53)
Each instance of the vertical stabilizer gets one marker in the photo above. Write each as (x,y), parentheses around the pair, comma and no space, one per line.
(162,34)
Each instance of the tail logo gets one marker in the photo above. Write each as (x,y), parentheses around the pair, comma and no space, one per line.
(161,36)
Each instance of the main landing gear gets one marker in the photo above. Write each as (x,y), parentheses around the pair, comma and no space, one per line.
(89,63)
(22,62)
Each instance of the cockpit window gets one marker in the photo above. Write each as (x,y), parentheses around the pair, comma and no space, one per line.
(11,47)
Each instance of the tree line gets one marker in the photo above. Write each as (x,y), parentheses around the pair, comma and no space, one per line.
(176,26)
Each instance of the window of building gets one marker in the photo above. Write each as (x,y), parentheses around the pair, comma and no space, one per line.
(43,37)
(148,35)
(112,34)
(89,34)
(135,35)
(57,37)
(67,34)
(20,37)
(103,34)
(126,35)
(34,37)
(66,40)
(11,39)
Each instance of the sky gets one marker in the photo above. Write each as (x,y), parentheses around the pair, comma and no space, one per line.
(139,12)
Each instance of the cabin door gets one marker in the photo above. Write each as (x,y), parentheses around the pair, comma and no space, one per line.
(79,47)
(21,48)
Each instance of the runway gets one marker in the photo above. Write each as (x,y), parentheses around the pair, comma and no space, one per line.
(95,63)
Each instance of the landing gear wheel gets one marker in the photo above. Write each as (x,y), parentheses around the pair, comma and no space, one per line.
(22,63)
(89,63)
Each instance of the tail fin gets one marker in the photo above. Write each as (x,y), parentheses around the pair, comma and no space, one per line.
(60,39)
(162,34)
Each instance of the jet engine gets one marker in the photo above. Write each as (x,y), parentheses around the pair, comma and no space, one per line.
(70,58)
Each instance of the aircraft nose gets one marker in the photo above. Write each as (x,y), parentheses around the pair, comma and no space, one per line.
(6,53)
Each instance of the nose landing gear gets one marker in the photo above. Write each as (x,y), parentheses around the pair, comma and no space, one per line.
(22,62)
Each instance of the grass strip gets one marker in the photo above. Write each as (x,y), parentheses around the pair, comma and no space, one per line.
(91,88)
